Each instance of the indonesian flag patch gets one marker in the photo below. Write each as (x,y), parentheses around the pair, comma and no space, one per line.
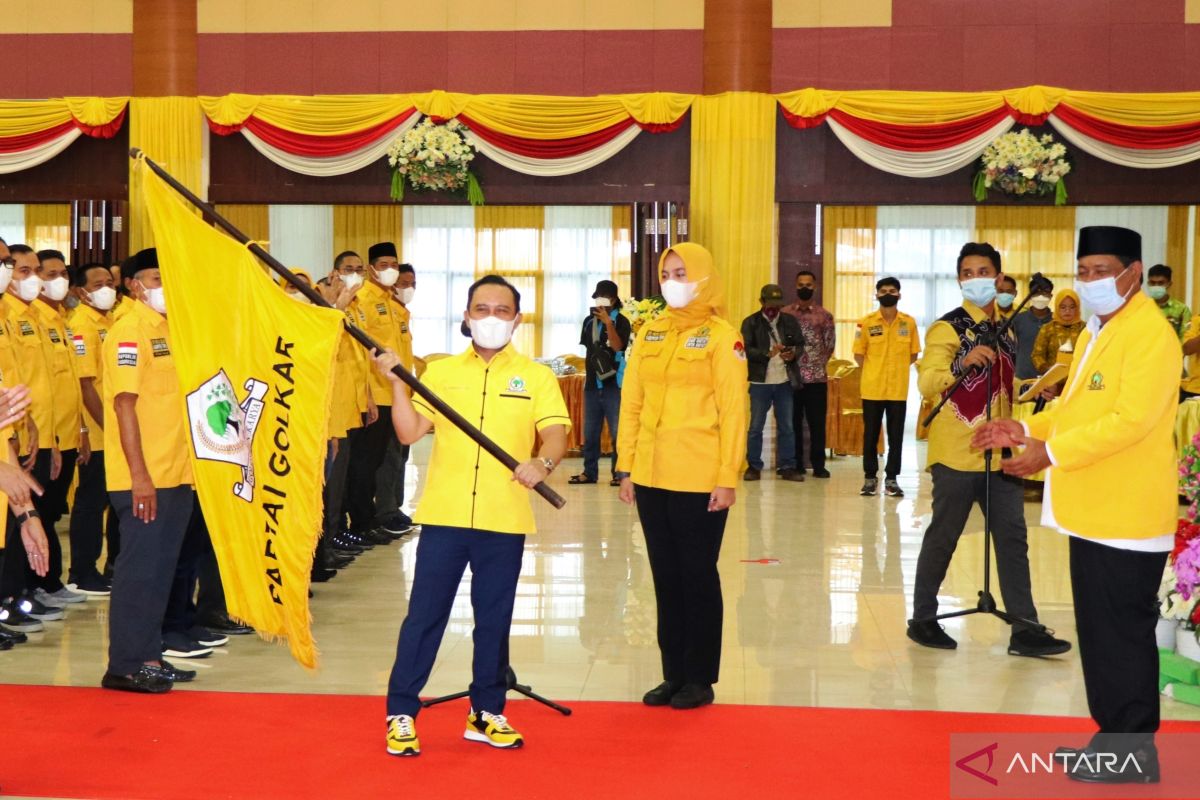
(739,350)
(80,347)
(127,354)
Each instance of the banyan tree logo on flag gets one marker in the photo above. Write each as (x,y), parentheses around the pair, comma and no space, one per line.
(222,429)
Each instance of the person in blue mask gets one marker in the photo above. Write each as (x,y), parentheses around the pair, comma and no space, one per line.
(1006,295)
(963,341)
(1158,286)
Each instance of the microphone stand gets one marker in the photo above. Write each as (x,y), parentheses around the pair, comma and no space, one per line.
(987,601)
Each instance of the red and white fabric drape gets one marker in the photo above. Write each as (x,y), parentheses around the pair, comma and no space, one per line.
(33,132)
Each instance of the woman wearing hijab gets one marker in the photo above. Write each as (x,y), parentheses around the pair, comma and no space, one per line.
(681,447)
(1060,334)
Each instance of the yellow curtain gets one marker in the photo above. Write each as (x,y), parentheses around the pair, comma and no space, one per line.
(848,253)
(508,241)
(1030,239)
(1177,245)
(358,227)
(48,227)
(733,192)
(169,130)
(252,219)
(622,230)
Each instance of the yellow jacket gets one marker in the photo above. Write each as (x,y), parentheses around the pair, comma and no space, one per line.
(683,402)
(1111,436)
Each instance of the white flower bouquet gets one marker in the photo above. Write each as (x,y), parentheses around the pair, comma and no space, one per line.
(1023,165)
(434,158)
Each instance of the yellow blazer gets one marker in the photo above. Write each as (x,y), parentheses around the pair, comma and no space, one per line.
(1112,433)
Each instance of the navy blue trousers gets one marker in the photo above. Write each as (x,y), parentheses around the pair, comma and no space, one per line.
(442,555)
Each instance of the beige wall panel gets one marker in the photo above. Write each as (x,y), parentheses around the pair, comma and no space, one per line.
(221,16)
(832,13)
(66,16)
(352,15)
(432,15)
(550,15)
(1192,11)
(679,15)
(282,16)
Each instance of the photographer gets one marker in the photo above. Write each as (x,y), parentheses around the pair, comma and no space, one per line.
(773,341)
(606,333)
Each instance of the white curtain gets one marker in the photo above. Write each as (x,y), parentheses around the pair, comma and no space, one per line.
(302,236)
(12,222)
(439,241)
(577,251)
(919,245)
(1149,221)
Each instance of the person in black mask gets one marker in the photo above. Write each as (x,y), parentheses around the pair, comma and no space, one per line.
(810,401)
(605,335)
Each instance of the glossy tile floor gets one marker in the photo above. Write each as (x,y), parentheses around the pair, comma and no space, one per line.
(821,624)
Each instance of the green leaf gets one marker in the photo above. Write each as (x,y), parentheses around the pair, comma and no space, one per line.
(397,186)
(474,190)
(980,186)
(1060,193)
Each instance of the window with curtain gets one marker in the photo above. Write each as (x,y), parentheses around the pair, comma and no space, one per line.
(579,250)
(302,236)
(439,241)
(508,241)
(48,226)
(12,222)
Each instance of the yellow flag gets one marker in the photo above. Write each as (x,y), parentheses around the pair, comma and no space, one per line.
(255,368)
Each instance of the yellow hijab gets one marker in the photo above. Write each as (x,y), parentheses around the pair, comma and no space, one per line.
(1063,294)
(710,297)
(299,272)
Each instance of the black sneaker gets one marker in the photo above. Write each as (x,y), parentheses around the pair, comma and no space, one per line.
(13,619)
(1027,642)
(661,695)
(205,637)
(931,634)
(6,643)
(870,486)
(752,474)
(791,475)
(692,695)
(398,523)
(171,672)
(821,473)
(378,536)
(30,606)
(13,637)
(180,645)
(93,586)
(147,680)
(321,574)
(224,625)
(892,489)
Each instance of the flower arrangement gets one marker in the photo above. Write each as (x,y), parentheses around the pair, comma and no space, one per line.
(1024,165)
(1180,588)
(435,158)
(642,311)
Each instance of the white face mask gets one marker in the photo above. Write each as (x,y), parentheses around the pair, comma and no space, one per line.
(388,276)
(1040,302)
(103,298)
(156,299)
(406,294)
(56,288)
(5,277)
(299,298)
(603,302)
(1100,297)
(492,333)
(28,288)
(353,280)
(679,294)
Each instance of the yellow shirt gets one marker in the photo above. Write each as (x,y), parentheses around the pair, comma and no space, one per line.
(951,432)
(888,349)
(1111,437)
(683,407)
(68,398)
(1191,383)
(32,349)
(509,399)
(123,307)
(89,329)
(137,360)
(9,376)
(381,319)
(349,381)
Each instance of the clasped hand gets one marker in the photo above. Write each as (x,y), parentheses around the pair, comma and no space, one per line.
(1009,433)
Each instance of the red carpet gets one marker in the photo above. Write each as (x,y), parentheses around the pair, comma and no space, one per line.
(91,743)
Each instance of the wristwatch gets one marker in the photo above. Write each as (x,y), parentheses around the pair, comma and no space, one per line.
(30,514)
(549,464)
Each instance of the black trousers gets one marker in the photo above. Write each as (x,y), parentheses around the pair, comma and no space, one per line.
(683,540)
(370,446)
(197,567)
(15,561)
(87,519)
(52,505)
(810,403)
(143,575)
(389,480)
(1116,608)
(873,413)
(954,493)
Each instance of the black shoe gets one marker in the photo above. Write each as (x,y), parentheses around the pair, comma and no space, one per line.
(7,644)
(377,536)
(335,561)
(13,637)
(322,575)
(821,473)
(180,645)
(892,489)
(147,680)
(356,539)
(173,673)
(692,695)
(1026,642)
(14,620)
(398,523)
(205,637)
(661,695)
(344,548)
(224,625)
(791,475)
(752,474)
(1086,765)
(931,634)
(869,487)
(93,586)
